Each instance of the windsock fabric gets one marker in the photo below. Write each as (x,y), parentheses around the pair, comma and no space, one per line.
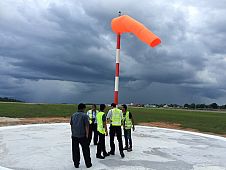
(125,23)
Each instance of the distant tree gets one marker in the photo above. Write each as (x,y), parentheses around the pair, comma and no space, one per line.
(201,106)
(6,99)
(198,106)
(186,105)
(193,106)
(161,105)
(157,105)
(170,105)
(214,106)
(223,107)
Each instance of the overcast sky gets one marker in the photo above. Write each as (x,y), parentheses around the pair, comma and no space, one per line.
(64,51)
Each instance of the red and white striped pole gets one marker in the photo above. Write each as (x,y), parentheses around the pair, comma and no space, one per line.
(117,70)
(117,67)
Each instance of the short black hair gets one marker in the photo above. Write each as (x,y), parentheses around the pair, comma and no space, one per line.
(95,105)
(113,105)
(124,106)
(81,106)
(102,107)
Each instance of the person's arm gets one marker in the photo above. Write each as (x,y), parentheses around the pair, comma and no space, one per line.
(71,121)
(87,130)
(86,119)
(105,125)
(108,118)
(124,122)
(106,129)
(132,120)
(122,119)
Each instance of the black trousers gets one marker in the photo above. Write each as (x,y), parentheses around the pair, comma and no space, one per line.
(76,151)
(128,138)
(93,129)
(101,145)
(118,131)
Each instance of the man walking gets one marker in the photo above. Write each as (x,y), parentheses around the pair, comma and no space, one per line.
(115,117)
(102,131)
(80,131)
(93,124)
(128,123)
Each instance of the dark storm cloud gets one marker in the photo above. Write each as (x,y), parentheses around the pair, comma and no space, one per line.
(55,51)
(75,52)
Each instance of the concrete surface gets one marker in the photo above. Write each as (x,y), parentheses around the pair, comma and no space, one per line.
(48,147)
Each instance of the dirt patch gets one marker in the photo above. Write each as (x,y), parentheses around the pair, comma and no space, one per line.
(7,119)
(24,121)
(162,124)
(175,126)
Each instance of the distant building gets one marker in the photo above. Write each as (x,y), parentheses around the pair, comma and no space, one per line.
(165,106)
(150,106)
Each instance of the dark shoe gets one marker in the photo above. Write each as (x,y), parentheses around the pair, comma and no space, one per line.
(129,149)
(122,154)
(88,166)
(106,154)
(111,153)
(99,156)
(76,165)
(125,148)
(95,143)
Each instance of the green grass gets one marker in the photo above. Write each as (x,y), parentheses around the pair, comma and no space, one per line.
(23,110)
(214,122)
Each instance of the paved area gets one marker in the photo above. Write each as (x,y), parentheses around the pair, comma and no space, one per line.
(48,146)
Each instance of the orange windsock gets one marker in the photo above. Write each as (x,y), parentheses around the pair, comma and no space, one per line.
(125,23)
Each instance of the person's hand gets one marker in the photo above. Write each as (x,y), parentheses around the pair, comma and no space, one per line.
(133,128)
(106,133)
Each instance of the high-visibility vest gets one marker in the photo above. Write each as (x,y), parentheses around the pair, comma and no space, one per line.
(100,124)
(116,119)
(128,121)
(90,114)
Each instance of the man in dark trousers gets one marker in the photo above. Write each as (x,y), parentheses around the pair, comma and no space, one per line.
(93,124)
(80,131)
(128,124)
(115,117)
(102,131)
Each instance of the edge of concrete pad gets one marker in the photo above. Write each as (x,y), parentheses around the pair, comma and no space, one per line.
(148,127)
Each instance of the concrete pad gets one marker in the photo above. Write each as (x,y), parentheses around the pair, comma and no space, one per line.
(48,146)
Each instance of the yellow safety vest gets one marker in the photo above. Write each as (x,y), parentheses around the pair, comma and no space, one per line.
(116,119)
(128,121)
(100,124)
(90,113)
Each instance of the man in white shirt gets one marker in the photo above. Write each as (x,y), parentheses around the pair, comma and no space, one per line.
(93,124)
(115,116)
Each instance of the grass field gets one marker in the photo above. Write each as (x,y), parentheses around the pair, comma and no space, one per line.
(23,110)
(214,122)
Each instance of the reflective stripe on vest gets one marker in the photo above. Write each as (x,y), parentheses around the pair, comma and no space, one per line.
(100,124)
(90,112)
(128,122)
(116,119)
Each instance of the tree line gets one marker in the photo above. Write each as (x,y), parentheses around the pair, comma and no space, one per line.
(204,106)
(6,99)
(188,106)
